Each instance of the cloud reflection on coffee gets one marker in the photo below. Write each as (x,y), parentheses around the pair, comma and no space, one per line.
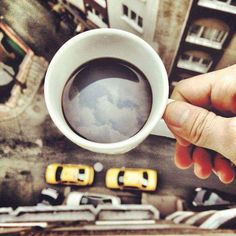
(112,106)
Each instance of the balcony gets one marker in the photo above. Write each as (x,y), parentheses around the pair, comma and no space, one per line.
(96,18)
(195,61)
(208,32)
(97,12)
(98,5)
(220,5)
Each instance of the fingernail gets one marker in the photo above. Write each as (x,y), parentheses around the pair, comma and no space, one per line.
(178,114)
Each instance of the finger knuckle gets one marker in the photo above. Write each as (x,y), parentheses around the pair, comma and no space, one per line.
(202,126)
(178,90)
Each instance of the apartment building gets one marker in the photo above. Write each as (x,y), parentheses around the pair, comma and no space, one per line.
(159,22)
(208,41)
(135,16)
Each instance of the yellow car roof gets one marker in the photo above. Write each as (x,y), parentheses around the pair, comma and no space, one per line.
(133,177)
(71,173)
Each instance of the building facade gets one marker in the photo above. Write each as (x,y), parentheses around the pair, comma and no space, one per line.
(136,16)
(207,41)
(191,36)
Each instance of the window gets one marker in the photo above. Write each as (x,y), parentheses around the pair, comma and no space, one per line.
(125,10)
(206,62)
(213,34)
(107,201)
(145,175)
(195,59)
(140,21)
(133,15)
(206,33)
(185,57)
(81,175)
(218,35)
(84,201)
(132,18)
(194,29)
(120,179)
(145,179)
(58,173)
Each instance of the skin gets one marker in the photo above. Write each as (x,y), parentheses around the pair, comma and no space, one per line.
(202,118)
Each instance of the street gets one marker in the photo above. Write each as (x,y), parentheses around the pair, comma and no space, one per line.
(31,141)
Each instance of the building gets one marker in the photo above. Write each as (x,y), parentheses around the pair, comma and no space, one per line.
(21,73)
(134,16)
(191,36)
(208,39)
(159,22)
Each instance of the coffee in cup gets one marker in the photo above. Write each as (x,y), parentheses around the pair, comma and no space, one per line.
(106,100)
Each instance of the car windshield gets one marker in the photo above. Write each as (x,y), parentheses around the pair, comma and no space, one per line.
(81,176)
(58,173)
(91,200)
(107,201)
(145,179)
(120,177)
(84,201)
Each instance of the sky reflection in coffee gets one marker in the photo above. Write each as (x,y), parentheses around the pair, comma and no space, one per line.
(107,100)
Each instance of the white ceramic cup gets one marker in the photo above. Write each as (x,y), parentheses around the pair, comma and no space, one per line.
(103,43)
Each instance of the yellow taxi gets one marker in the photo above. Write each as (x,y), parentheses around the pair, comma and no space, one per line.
(69,174)
(131,178)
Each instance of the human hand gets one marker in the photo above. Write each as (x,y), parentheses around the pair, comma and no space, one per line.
(203,121)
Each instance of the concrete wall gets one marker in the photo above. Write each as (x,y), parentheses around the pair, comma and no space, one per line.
(169,25)
(147,9)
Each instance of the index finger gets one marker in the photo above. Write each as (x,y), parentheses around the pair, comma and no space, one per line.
(195,90)
(212,90)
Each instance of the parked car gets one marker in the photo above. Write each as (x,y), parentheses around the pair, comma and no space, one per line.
(131,178)
(51,197)
(85,198)
(206,199)
(69,174)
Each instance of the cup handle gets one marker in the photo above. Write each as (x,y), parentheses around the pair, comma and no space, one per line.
(161,128)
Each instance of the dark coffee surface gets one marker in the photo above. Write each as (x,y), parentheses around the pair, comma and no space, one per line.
(107,100)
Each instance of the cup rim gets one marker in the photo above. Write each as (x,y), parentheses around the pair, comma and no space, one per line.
(116,147)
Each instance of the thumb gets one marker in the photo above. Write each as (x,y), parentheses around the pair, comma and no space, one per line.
(202,128)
